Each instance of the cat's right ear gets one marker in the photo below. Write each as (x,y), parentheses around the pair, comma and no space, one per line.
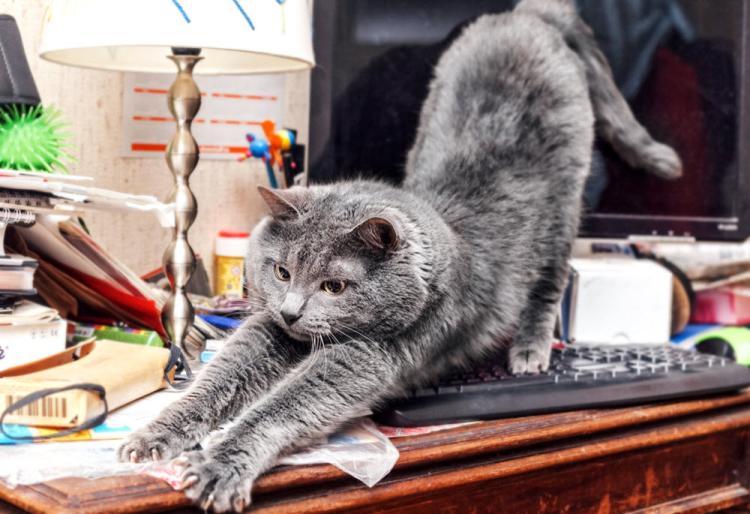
(379,234)
(281,203)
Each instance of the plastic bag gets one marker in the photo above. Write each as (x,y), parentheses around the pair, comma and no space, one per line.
(23,464)
(361,450)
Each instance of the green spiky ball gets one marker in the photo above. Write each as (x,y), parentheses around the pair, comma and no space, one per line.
(33,138)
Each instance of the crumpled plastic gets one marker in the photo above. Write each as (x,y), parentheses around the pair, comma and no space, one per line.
(23,464)
(360,450)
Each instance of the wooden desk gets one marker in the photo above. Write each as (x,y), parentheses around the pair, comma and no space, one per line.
(681,457)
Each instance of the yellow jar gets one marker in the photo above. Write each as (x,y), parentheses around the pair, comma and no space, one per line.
(229,263)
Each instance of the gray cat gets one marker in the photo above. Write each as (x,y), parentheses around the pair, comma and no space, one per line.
(364,289)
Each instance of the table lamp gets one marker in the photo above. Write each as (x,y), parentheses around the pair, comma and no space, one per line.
(228,36)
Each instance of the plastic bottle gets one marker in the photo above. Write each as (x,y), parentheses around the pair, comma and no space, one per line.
(229,263)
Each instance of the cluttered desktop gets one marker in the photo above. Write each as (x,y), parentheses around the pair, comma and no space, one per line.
(650,357)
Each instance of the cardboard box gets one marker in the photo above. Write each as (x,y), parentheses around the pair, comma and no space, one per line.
(617,301)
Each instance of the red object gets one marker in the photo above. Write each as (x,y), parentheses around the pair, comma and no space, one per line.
(725,306)
(229,233)
(142,309)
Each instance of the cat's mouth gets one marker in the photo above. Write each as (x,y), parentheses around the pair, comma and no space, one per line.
(304,335)
(297,335)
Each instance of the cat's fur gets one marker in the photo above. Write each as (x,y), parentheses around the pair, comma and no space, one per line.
(471,250)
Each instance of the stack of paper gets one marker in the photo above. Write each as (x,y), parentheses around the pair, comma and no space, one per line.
(85,283)
(68,192)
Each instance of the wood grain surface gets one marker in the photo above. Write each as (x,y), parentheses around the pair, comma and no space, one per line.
(681,457)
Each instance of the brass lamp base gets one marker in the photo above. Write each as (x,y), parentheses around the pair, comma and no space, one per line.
(184,100)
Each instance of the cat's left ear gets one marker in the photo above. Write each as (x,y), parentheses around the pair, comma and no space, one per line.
(283,203)
(379,234)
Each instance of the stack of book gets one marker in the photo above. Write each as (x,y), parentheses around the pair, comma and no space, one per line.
(16,276)
(28,331)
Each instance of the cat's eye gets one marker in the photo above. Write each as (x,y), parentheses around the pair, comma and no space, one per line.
(281,273)
(333,287)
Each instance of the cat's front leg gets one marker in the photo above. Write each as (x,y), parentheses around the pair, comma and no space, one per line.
(532,343)
(339,385)
(253,358)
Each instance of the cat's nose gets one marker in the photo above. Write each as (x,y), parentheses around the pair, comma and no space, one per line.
(292,307)
(290,317)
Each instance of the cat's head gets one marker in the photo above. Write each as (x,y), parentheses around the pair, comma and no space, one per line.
(332,261)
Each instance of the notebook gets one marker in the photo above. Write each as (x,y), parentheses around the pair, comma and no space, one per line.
(16,271)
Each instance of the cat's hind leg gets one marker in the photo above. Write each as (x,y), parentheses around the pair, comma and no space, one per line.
(253,358)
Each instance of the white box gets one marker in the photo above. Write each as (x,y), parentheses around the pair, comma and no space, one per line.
(28,342)
(617,301)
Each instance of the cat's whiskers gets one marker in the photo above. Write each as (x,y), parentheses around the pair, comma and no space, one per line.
(308,362)
(332,335)
(357,332)
(325,354)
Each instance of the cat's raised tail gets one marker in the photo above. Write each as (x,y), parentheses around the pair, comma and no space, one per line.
(614,119)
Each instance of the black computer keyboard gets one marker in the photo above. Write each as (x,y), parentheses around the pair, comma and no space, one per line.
(579,377)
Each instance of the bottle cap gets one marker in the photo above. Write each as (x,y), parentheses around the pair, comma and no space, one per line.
(232,244)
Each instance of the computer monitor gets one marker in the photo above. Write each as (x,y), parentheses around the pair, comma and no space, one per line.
(681,64)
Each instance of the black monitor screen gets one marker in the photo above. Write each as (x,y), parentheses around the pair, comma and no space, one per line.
(677,62)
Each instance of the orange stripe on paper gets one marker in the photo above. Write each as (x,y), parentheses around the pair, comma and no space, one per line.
(213,121)
(147,147)
(150,90)
(235,122)
(236,96)
(155,91)
(223,149)
(245,97)
(214,149)
(165,119)
(152,118)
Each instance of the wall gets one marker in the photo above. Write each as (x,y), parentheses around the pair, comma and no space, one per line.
(91,101)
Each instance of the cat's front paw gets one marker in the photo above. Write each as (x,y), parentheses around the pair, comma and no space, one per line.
(147,444)
(528,361)
(215,485)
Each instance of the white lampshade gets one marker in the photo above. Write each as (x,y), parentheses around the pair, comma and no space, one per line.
(235,36)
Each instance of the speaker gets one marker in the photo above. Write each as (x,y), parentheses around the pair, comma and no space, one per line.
(16,83)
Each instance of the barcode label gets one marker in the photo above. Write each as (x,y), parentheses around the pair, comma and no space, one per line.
(50,407)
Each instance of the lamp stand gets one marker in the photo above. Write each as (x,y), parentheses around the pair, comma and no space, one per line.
(184,100)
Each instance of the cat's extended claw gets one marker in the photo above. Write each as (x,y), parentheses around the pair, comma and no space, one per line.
(238,504)
(148,444)
(217,485)
(185,483)
(208,502)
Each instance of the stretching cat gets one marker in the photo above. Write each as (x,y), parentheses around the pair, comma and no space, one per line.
(364,289)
